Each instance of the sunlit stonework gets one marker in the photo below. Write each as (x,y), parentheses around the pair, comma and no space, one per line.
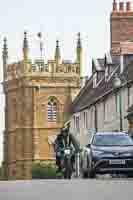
(37,97)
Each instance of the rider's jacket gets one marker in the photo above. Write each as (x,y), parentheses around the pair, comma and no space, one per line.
(66,141)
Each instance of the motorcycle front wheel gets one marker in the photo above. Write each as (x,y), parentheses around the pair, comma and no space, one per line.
(68,169)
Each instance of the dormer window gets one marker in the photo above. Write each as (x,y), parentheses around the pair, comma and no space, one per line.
(94,80)
(106,72)
(98,71)
(109,58)
(108,65)
(121,63)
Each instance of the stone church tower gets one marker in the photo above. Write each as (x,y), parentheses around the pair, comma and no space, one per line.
(37,99)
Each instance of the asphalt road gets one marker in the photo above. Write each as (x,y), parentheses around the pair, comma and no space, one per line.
(110,189)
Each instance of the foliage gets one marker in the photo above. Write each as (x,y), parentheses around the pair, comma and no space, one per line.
(1,172)
(44,171)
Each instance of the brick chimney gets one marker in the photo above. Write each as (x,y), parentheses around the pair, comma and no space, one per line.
(121,25)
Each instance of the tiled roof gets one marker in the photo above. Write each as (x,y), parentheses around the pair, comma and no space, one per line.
(89,95)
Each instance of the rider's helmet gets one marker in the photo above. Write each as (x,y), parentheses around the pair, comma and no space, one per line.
(67,125)
(65,129)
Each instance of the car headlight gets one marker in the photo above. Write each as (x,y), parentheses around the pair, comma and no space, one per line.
(97,152)
(130,154)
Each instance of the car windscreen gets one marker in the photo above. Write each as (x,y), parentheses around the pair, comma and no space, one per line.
(112,140)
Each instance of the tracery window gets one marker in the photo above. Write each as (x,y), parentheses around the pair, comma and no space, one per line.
(52,109)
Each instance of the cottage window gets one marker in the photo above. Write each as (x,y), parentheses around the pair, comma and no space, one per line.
(91,117)
(106,73)
(77,122)
(105,108)
(130,96)
(74,122)
(85,119)
(117,102)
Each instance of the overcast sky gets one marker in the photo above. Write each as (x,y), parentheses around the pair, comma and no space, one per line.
(60,20)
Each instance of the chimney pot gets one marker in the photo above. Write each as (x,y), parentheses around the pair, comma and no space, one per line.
(121,6)
(114,6)
(128,6)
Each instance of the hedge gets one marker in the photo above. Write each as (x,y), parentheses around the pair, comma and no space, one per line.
(45,171)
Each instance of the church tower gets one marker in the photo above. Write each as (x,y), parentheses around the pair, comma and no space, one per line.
(37,97)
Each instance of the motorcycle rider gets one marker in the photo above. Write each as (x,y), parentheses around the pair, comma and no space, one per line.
(63,140)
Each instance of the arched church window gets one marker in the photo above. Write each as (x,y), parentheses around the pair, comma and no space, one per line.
(52,109)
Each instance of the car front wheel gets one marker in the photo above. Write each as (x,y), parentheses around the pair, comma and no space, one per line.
(130,175)
(91,171)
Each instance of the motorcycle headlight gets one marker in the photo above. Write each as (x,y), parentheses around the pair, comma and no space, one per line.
(67,151)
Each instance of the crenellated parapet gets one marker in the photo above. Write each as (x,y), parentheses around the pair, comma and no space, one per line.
(65,67)
(39,66)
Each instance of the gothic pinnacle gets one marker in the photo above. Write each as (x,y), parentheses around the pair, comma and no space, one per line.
(25,43)
(79,41)
(114,6)
(57,51)
(5,58)
(25,47)
(5,49)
